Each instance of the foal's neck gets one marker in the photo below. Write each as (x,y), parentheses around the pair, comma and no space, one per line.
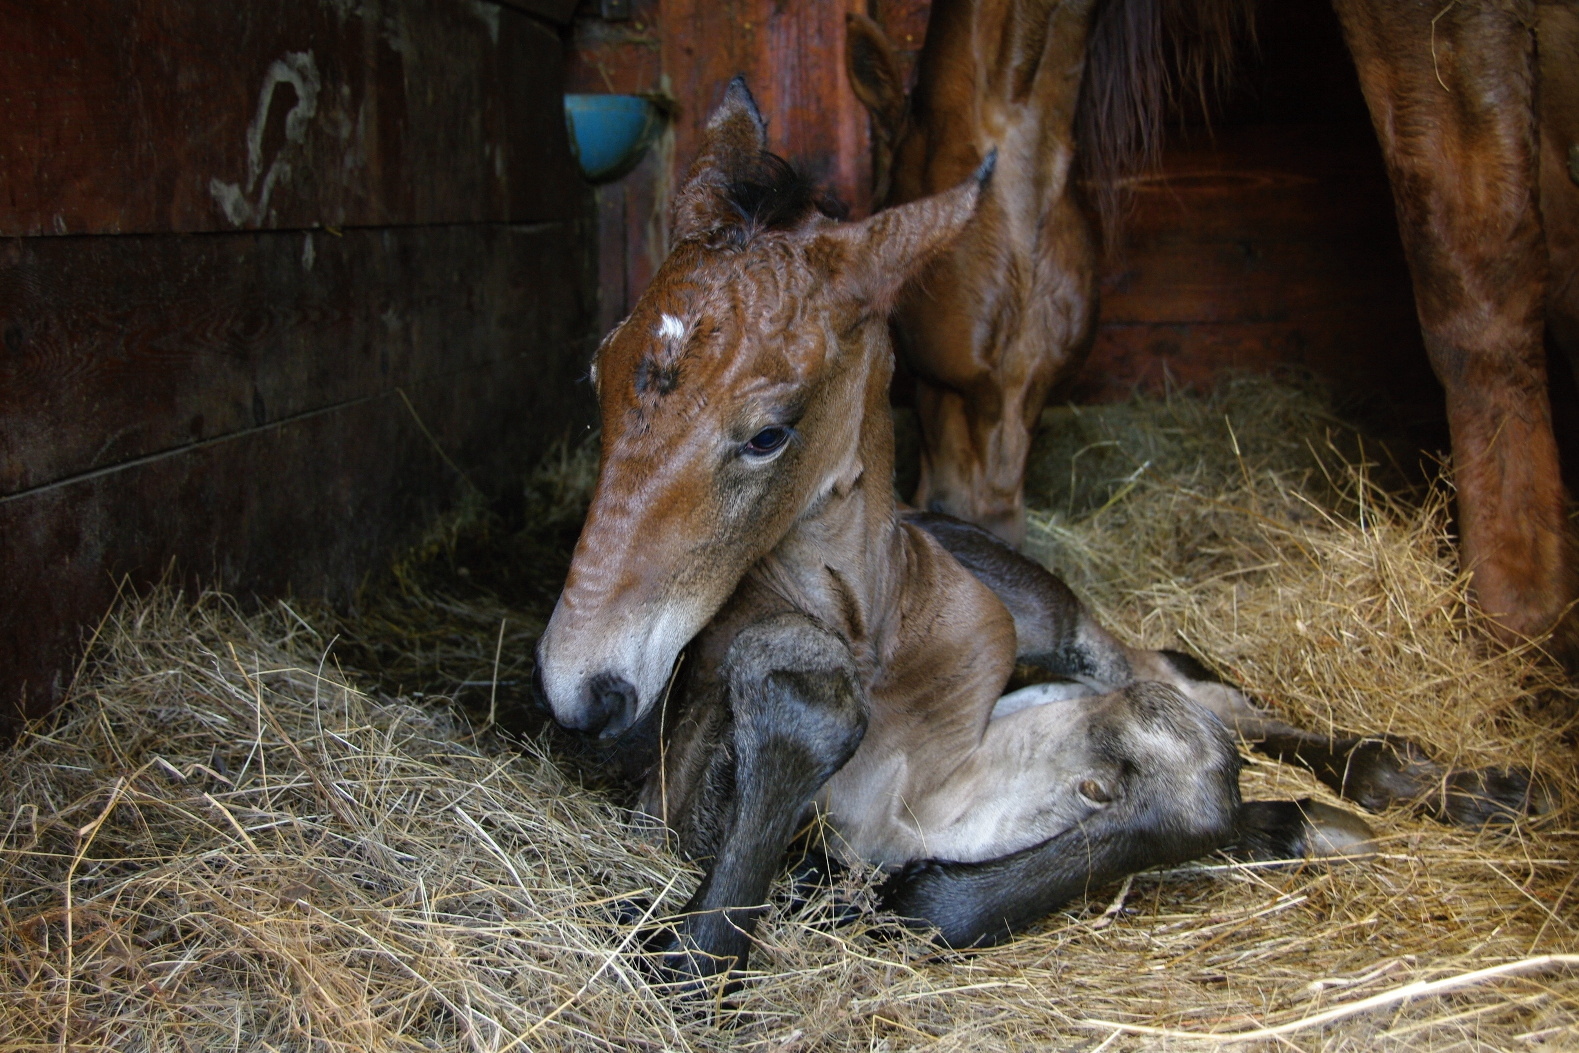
(844,562)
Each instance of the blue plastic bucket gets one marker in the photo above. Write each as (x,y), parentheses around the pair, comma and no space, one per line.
(609,133)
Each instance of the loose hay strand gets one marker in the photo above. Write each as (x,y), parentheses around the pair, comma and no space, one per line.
(1418,989)
(227,841)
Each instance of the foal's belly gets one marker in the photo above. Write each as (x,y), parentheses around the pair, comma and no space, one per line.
(1009,788)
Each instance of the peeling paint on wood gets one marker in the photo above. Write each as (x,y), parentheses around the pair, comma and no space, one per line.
(128,116)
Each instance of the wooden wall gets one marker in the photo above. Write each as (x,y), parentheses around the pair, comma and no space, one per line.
(686,51)
(270,274)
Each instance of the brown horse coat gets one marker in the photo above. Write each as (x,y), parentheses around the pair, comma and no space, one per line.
(851,660)
(1486,184)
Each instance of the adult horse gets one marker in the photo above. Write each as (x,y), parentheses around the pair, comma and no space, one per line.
(847,658)
(1484,187)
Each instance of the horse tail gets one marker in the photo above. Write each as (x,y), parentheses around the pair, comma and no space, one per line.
(1141,57)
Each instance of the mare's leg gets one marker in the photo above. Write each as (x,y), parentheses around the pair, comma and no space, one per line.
(1458,132)
(1058,638)
(798,713)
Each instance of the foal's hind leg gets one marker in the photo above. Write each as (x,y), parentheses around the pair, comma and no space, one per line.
(798,714)
(1058,638)
(1112,783)
(1374,771)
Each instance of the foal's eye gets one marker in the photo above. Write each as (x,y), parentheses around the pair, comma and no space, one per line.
(767,441)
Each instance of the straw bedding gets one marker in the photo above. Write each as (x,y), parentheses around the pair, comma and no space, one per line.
(268,831)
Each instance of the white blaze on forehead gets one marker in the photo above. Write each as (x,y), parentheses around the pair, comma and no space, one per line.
(671,328)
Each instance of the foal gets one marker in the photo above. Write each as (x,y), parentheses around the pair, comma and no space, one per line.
(846,656)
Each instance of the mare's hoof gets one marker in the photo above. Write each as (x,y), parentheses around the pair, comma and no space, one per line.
(1483,796)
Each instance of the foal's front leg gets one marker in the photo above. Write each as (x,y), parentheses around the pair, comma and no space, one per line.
(798,713)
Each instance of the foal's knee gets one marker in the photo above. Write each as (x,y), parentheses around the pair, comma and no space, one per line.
(797,702)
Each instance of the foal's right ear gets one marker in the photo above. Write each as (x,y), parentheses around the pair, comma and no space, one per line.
(876,256)
(732,144)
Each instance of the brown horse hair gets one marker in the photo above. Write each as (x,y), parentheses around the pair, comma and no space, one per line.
(1144,56)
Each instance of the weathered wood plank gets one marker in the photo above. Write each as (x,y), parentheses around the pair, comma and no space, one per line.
(325,498)
(1183,280)
(1267,182)
(186,115)
(793,58)
(1355,355)
(339,471)
(117,348)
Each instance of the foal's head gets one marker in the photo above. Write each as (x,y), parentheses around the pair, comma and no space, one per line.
(732,401)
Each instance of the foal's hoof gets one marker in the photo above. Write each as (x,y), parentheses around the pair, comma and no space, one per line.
(1483,796)
(1303,829)
(632,910)
(671,960)
(815,893)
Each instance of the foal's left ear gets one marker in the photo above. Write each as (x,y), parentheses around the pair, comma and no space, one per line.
(879,254)
(733,142)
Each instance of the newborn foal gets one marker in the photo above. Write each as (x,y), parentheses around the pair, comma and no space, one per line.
(843,655)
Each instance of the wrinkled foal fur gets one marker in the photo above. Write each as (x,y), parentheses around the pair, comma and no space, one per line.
(1476,108)
(843,657)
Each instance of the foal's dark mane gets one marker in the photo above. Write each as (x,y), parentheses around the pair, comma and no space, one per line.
(771,194)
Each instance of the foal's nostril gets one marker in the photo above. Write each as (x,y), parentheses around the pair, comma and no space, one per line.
(539,691)
(608,707)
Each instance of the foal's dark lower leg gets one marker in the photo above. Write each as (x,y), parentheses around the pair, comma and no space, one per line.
(1379,771)
(1374,771)
(798,715)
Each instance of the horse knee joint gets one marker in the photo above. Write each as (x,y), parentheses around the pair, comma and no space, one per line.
(795,693)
